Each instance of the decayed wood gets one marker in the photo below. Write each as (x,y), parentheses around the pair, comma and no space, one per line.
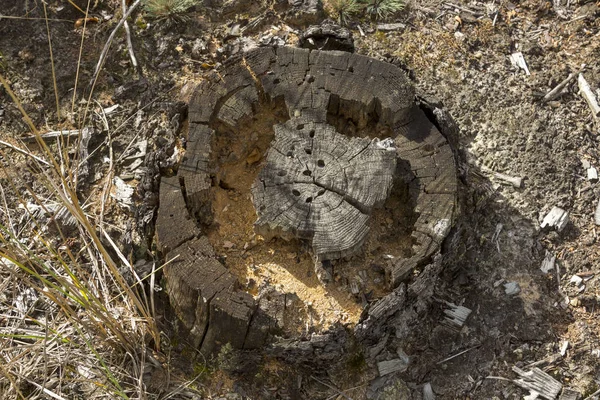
(557,218)
(344,179)
(539,382)
(588,95)
(322,186)
(173,224)
(391,366)
(205,297)
(194,172)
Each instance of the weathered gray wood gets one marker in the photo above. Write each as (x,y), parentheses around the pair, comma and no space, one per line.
(173,223)
(322,186)
(557,218)
(344,177)
(538,381)
(327,36)
(391,366)
(194,172)
(204,295)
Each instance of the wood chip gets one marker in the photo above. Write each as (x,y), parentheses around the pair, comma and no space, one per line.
(391,366)
(557,218)
(538,382)
(456,315)
(548,263)
(518,60)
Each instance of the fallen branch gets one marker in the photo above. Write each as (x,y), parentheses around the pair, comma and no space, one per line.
(588,95)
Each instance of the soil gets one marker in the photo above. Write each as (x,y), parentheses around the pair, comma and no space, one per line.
(458,60)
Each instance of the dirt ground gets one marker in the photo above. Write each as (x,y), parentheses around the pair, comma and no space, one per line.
(457,55)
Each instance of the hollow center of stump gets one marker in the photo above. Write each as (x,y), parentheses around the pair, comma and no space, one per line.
(322,186)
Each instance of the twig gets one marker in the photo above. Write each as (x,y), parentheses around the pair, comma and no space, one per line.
(498,378)
(457,354)
(109,41)
(2,142)
(52,134)
(551,95)
(128,34)
(341,393)
(588,95)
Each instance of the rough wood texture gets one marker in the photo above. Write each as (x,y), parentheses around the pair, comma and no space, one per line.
(173,224)
(354,176)
(322,186)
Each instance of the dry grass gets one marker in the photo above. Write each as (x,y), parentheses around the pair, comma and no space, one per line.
(71,325)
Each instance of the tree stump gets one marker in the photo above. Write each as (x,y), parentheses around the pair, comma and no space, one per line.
(325,150)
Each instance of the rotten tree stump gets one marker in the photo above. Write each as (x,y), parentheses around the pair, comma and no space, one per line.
(348,133)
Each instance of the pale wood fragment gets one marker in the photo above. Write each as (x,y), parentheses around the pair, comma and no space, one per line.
(539,382)
(588,95)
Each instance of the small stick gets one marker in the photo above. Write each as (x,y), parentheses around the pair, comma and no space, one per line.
(341,393)
(588,95)
(551,95)
(109,41)
(128,34)
(456,355)
(2,142)
(52,134)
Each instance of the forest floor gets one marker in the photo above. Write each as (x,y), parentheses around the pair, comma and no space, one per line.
(458,55)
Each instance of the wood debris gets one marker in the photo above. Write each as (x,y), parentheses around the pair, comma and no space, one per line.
(518,60)
(123,192)
(456,315)
(54,134)
(548,263)
(391,366)
(390,27)
(569,394)
(539,383)
(563,348)
(554,93)
(557,218)
(588,95)
(515,181)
